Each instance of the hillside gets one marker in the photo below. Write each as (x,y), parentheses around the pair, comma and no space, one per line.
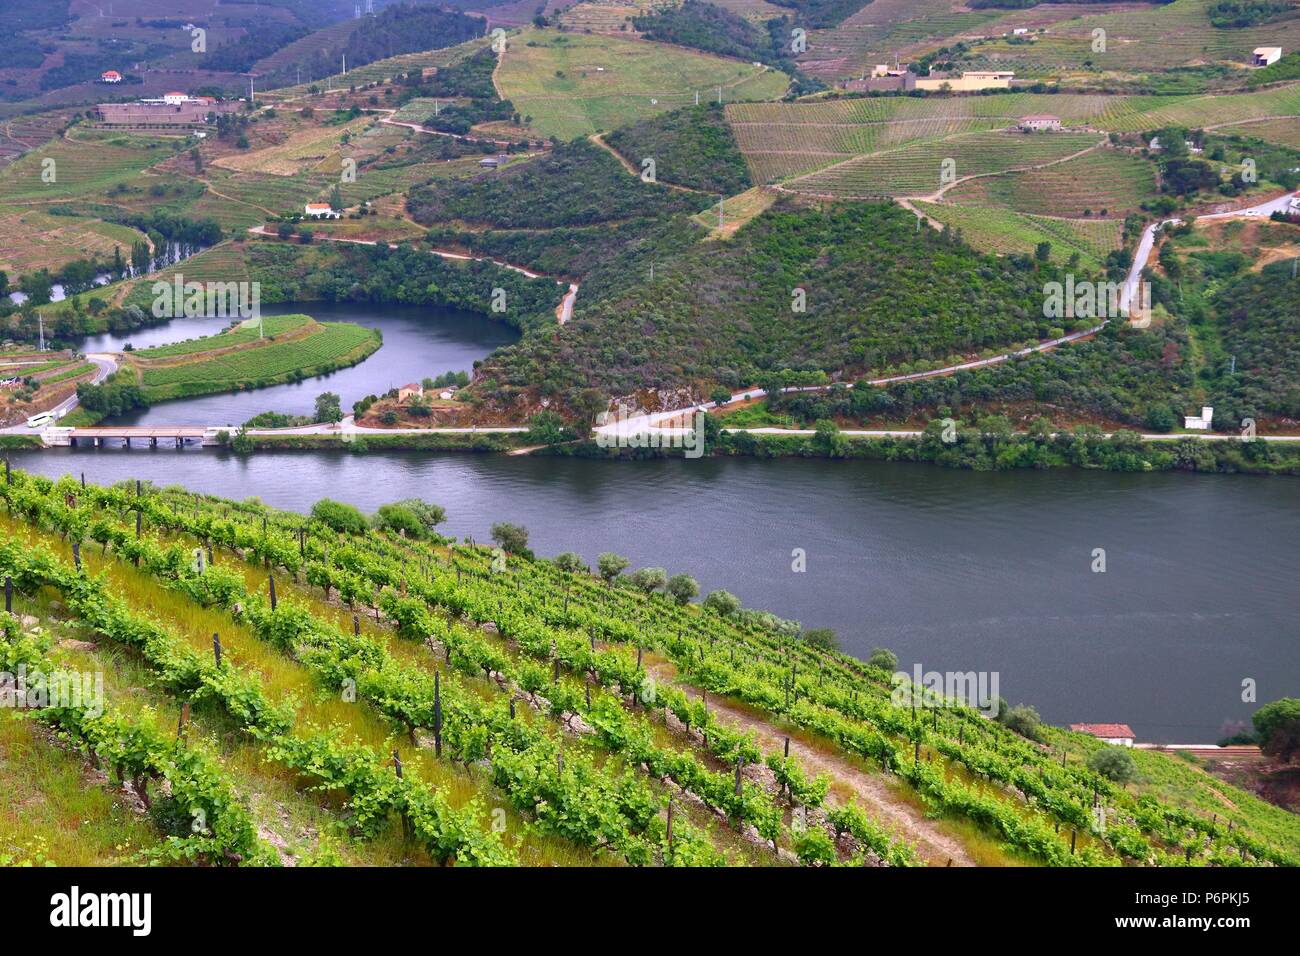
(513,683)
(877,292)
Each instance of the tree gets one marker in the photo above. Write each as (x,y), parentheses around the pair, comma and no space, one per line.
(37,286)
(883,658)
(399,518)
(548,428)
(328,407)
(513,538)
(1277,725)
(1113,763)
(1161,418)
(284,230)
(569,561)
(336,198)
(429,514)
(682,587)
(611,565)
(824,638)
(339,516)
(1023,720)
(1043,251)
(650,580)
(723,602)
(720,395)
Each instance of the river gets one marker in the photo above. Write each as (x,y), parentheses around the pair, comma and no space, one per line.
(952,570)
(419,342)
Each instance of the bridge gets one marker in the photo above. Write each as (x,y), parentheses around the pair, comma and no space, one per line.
(178,434)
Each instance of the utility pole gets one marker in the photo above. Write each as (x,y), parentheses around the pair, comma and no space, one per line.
(697,97)
(40,322)
(721,221)
(345,64)
(1233,369)
(252,101)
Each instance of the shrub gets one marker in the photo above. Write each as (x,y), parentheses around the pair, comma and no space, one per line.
(1113,763)
(611,565)
(339,516)
(883,658)
(512,538)
(682,587)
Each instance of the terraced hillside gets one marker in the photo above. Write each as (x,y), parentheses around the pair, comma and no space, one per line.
(499,710)
(1106,182)
(920,169)
(1005,231)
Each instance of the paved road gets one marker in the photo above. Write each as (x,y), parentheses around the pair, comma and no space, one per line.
(1147,242)
(106,365)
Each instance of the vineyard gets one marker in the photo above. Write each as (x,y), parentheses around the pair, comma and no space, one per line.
(379,71)
(323,348)
(917,169)
(89,164)
(422,701)
(1159,37)
(50,242)
(1006,231)
(1103,182)
(242,333)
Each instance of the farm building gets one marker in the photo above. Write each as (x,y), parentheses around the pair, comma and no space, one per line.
(1201,421)
(1040,121)
(968,82)
(448,393)
(408,392)
(192,112)
(882,78)
(492,162)
(1121,735)
(1265,55)
(110,76)
(320,210)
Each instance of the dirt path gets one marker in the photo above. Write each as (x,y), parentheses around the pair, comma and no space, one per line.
(873,791)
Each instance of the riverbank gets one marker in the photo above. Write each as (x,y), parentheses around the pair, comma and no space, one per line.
(970,450)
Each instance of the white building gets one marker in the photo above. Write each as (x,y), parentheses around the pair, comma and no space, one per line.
(1019,31)
(1119,735)
(1039,121)
(1265,55)
(175,99)
(1202,421)
(320,210)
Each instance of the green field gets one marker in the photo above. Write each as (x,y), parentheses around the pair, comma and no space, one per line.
(1004,231)
(82,166)
(916,169)
(575,85)
(245,332)
(332,345)
(1106,179)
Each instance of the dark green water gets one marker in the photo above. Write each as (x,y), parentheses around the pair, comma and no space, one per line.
(952,570)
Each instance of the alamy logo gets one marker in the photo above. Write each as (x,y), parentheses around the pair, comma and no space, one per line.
(73,909)
(626,430)
(978,689)
(1098,300)
(37,690)
(180,299)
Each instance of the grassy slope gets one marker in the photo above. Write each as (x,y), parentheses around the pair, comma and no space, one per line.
(610,82)
(329,346)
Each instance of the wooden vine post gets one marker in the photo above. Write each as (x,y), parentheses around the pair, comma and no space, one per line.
(437,714)
(216,649)
(271,578)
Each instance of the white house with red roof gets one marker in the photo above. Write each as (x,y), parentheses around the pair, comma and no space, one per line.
(110,76)
(1121,735)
